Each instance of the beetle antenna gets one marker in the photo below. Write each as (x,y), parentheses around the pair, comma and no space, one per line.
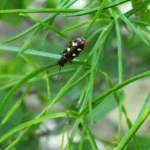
(50,65)
(59,72)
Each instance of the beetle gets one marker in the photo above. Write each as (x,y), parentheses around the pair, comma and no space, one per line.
(71,51)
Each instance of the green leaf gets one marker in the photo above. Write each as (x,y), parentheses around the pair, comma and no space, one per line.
(12,19)
(30,52)
(99,99)
(140,23)
(65,89)
(136,9)
(29,123)
(37,25)
(120,74)
(28,41)
(92,35)
(44,10)
(88,3)
(51,3)
(82,139)
(101,111)
(28,143)
(95,18)
(134,129)
(74,129)
(116,96)
(86,145)
(144,143)
(144,12)
(76,26)
(89,133)
(88,11)
(16,105)
(47,26)
(22,82)
(96,62)
(144,107)
(122,16)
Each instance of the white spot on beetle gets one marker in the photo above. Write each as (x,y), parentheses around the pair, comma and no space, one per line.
(68,49)
(79,49)
(74,44)
(74,55)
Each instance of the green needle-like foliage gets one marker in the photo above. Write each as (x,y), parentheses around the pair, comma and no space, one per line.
(80,91)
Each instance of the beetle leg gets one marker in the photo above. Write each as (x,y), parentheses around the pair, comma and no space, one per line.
(70,61)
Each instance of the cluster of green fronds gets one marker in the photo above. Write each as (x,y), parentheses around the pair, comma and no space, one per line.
(109,16)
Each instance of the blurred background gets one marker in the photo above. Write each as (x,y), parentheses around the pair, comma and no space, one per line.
(136,59)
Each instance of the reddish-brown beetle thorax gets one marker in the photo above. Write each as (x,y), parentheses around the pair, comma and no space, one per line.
(63,60)
(81,39)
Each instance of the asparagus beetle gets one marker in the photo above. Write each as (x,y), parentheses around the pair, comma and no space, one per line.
(71,51)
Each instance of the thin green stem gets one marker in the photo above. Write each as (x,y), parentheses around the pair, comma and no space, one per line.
(116,96)
(17,86)
(48,88)
(64,4)
(133,130)
(120,73)
(99,99)
(28,61)
(39,10)
(17,104)
(47,26)
(90,135)
(95,18)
